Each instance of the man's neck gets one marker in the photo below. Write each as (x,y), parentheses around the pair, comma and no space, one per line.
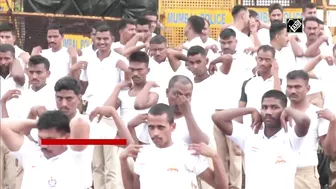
(192,36)
(270,131)
(169,144)
(56,49)
(276,46)
(200,78)
(38,88)
(239,25)
(301,106)
(265,76)
(123,41)
(103,54)
(138,87)
(310,42)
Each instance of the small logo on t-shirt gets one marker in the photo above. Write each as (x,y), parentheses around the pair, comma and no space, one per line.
(172,170)
(280,160)
(52,182)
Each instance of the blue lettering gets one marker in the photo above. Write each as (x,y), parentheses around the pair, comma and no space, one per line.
(183,18)
(84,43)
(178,17)
(263,16)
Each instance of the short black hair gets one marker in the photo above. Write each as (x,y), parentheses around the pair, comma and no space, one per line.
(266,48)
(298,74)
(276,28)
(237,9)
(161,109)
(158,39)
(58,27)
(227,33)
(207,21)
(7,27)
(143,21)
(313,19)
(124,22)
(308,6)
(275,6)
(277,95)
(179,78)
(253,13)
(104,28)
(54,120)
(149,13)
(197,23)
(7,48)
(139,56)
(38,59)
(67,83)
(97,24)
(195,50)
(320,21)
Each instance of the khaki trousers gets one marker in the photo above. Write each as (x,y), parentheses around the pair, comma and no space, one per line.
(7,168)
(332,177)
(307,178)
(105,165)
(201,183)
(228,151)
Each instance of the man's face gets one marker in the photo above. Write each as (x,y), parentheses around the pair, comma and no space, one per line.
(276,15)
(197,64)
(104,40)
(297,90)
(50,151)
(128,32)
(54,39)
(159,52)
(228,46)
(145,29)
(160,130)
(6,59)
(309,12)
(271,110)
(264,61)
(153,21)
(7,37)
(139,72)
(38,75)
(177,90)
(67,101)
(282,38)
(312,30)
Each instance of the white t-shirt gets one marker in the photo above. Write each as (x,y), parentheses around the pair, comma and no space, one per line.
(286,61)
(60,63)
(318,127)
(197,41)
(327,75)
(59,172)
(99,73)
(171,167)
(268,161)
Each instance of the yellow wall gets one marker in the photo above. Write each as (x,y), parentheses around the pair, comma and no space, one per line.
(3,5)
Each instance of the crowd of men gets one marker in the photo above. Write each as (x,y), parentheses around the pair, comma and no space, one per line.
(252,109)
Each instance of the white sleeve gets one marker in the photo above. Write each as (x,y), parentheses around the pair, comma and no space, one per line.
(295,141)
(83,75)
(197,164)
(240,132)
(327,32)
(142,133)
(323,126)
(27,149)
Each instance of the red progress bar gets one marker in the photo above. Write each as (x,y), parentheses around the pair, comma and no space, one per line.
(121,142)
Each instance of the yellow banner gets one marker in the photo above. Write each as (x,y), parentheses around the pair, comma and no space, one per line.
(179,17)
(78,41)
(288,13)
(3,5)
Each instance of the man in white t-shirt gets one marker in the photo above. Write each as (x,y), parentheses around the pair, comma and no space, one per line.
(306,174)
(61,58)
(179,93)
(270,153)
(48,166)
(93,47)
(193,31)
(168,163)
(241,19)
(8,36)
(127,30)
(153,18)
